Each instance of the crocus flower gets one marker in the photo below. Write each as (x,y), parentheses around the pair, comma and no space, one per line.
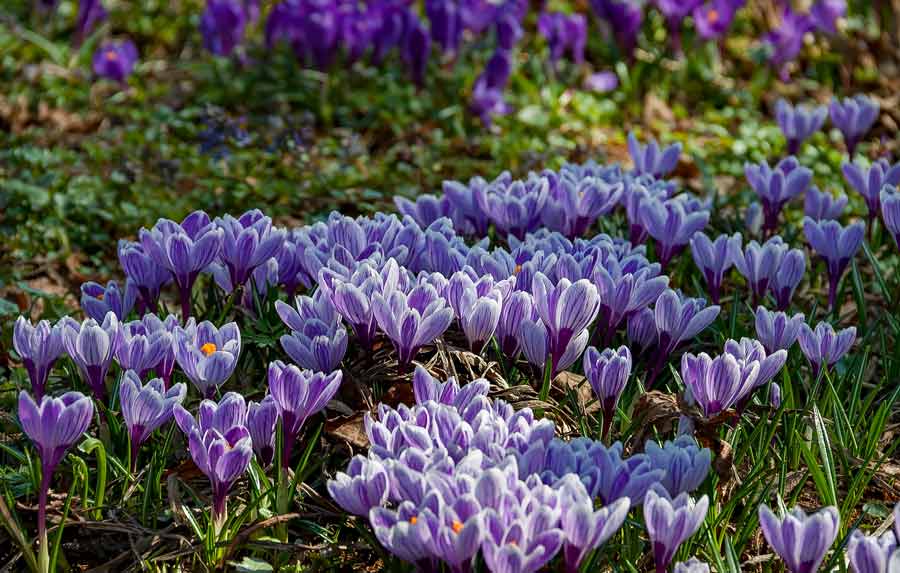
(775,187)
(602,82)
(823,346)
(299,394)
(54,425)
(624,18)
(526,545)
(775,396)
(564,32)
(788,275)
(585,528)
(798,123)
(854,117)
(575,204)
(890,212)
(144,273)
(208,355)
(753,219)
(477,305)
(247,242)
(607,372)
(92,347)
(412,320)
(786,41)
(90,14)
(97,300)
(38,347)
(759,263)
(870,553)
(262,418)
(115,60)
(672,225)
(515,207)
(146,407)
(715,258)
(776,330)
(518,306)
(684,462)
(692,565)
(836,245)
(825,14)
(641,329)
(650,159)
(184,249)
(819,205)
(677,319)
(565,309)
(364,486)
(801,540)
(445,23)
(318,340)
(675,11)
(624,292)
(222,25)
(714,19)
(670,522)
(220,445)
(143,349)
(416,49)
(717,384)
(747,351)
(869,182)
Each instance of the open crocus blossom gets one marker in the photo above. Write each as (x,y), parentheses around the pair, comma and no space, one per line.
(97,300)
(747,351)
(836,245)
(184,249)
(677,319)
(650,159)
(318,339)
(684,462)
(607,372)
(299,394)
(585,528)
(801,540)
(799,122)
(854,117)
(208,355)
(54,425)
(363,486)
(38,347)
(869,182)
(146,407)
(890,212)
(776,186)
(247,242)
(776,330)
(670,522)
(145,346)
(624,291)
(714,258)
(672,224)
(823,346)
(92,347)
(115,60)
(713,19)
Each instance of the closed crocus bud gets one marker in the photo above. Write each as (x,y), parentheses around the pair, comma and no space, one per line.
(365,485)
(717,384)
(836,245)
(854,117)
(566,310)
(715,258)
(799,123)
(143,347)
(869,182)
(819,205)
(262,419)
(776,330)
(318,339)
(144,273)
(670,522)
(92,347)
(585,528)
(890,212)
(97,300)
(207,355)
(38,347)
(870,553)
(801,540)
(776,186)
(823,346)
(115,60)
(672,224)
(412,320)
(146,407)
(641,329)
(607,372)
(775,396)
(759,264)
(684,462)
(517,307)
(222,25)
(788,275)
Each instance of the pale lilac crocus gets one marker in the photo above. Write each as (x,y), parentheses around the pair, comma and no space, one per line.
(714,258)
(146,407)
(801,540)
(92,347)
(823,346)
(207,355)
(566,309)
(318,339)
(717,384)
(776,330)
(412,320)
(365,485)
(869,182)
(38,347)
(670,522)
(799,122)
(821,205)
(777,186)
(836,245)
(677,319)
(142,348)
(607,372)
(854,117)
(890,212)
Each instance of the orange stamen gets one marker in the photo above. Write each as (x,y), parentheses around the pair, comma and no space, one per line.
(111,56)
(457,527)
(517,270)
(208,348)
(413,520)
(712,16)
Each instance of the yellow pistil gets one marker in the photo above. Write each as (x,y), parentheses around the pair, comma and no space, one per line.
(208,348)
(712,16)
(456,526)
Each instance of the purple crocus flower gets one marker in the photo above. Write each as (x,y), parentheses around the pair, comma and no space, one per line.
(675,11)
(144,273)
(890,212)
(870,553)
(825,14)
(90,14)
(426,209)
(692,565)
(445,23)
(38,347)
(576,204)
(564,32)
(801,540)
(115,60)
(798,123)
(54,425)
(869,183)
(248,242)
(477,304)
(786,41)
(318,340)
(411,320)
(624,292)
(220,445)
(684,462)
(788,275)
(515,207)
(776,330)
(717,384)
(364,486)
(607,372)
(144,347)
(854,117)
(566,309)
(97,300)
(775,187)
(623,18)
(759,263)
(146,407)
(602,82)
(222,25)
(822,206)
(184,249)
(747,351)
(649,159)
(823,346)
(670,522)
(775,396)
(526,544)
(714,19)
(836,245)
(416,48)
(299,395)
(672,225)
(585,528)
(517,307)
(92,347)
(677,319)
(207,355)
(262,419)
(715,258)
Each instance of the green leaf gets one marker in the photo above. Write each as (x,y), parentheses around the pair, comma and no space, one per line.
(250,565)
